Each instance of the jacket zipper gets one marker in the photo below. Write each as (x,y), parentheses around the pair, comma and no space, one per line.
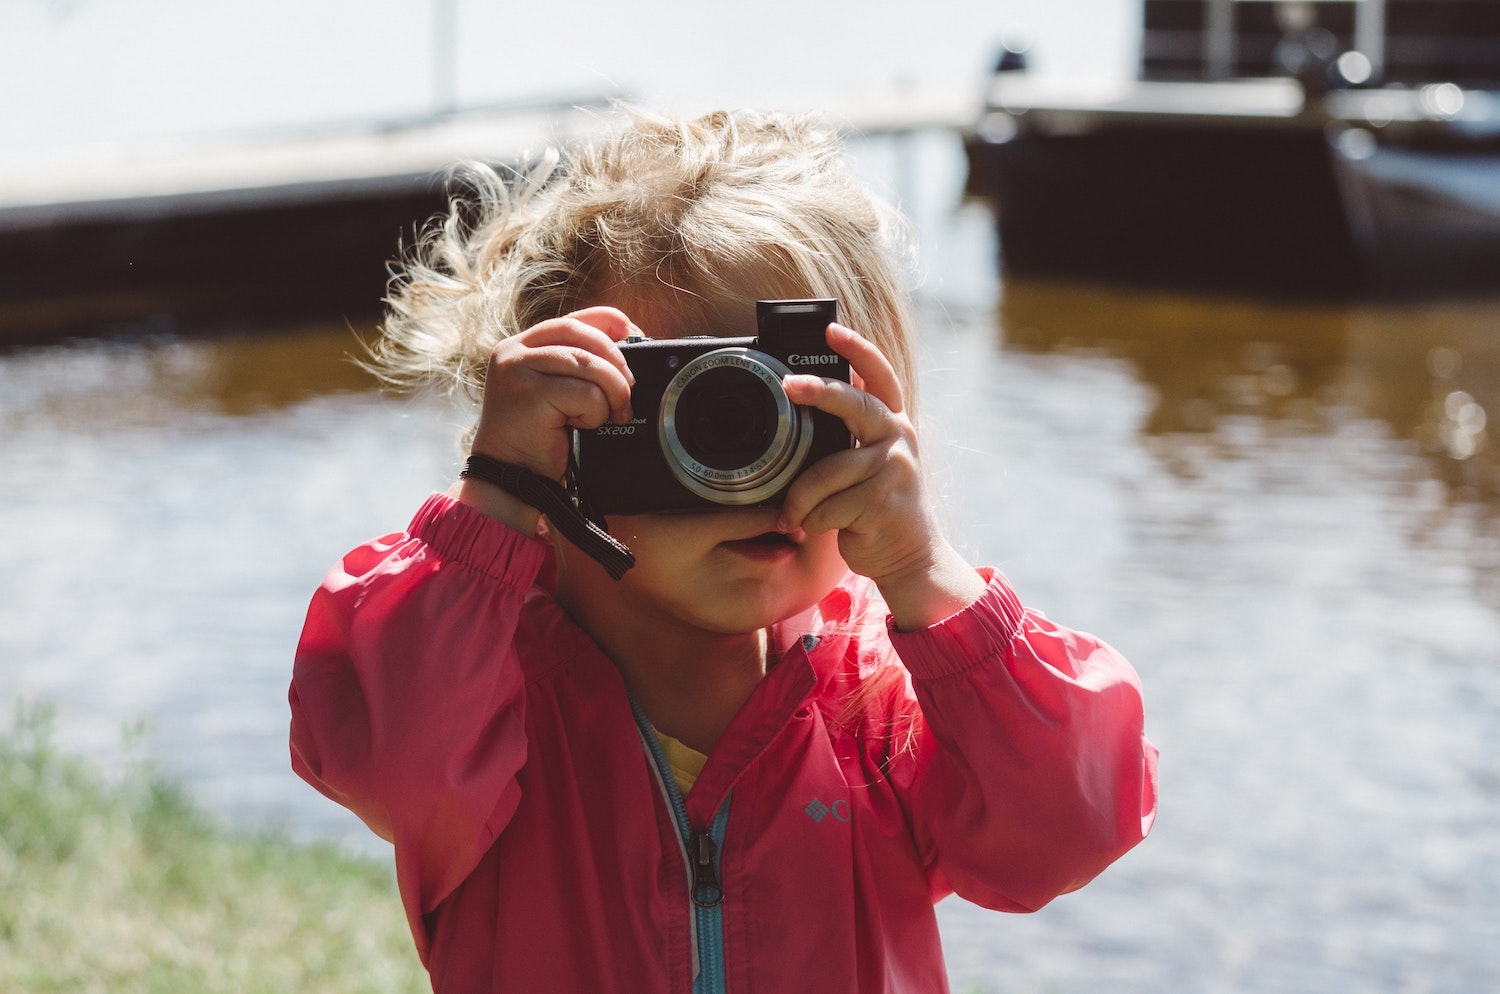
(708,896)
(702,852)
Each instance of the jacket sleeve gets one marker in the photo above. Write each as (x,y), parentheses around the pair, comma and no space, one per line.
(1033,772)
(407,700)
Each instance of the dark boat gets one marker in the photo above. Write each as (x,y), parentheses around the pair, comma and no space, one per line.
(1330,148)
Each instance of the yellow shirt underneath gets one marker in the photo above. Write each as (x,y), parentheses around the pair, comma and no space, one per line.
(685,762)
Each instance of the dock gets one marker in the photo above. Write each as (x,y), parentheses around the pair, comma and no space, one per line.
(290,225)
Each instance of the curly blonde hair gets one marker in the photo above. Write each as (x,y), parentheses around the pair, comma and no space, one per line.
(682,224)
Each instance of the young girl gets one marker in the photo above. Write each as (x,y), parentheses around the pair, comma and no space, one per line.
(757,760)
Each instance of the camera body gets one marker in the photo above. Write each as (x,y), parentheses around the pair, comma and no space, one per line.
(712,427)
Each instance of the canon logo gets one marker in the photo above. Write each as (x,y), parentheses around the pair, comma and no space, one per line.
(811,360)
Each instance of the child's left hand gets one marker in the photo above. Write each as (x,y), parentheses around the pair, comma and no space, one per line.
(875,494)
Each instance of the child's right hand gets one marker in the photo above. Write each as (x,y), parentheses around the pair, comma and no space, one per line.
(562,373)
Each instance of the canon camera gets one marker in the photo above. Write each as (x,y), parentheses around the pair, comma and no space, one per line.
(712,427)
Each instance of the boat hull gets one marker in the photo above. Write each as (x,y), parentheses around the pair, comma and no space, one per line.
(1227,208)
(1270,207)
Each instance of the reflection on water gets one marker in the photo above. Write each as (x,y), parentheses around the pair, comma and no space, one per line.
(1428,373)
(1284,516)
(1428,370)
(157,379)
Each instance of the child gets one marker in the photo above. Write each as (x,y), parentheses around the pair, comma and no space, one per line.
(757,760)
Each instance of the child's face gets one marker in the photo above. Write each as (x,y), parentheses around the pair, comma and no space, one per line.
(726,572)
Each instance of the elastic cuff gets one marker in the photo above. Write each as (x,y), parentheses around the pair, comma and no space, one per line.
(978,632)
(466,535)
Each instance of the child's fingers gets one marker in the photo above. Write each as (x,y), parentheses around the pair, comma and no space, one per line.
(558,374)
(880,475)
(868,418)
(570,372)
(587,339)
(580,387)
(886,443)
(574,331)
(833,474)
(873,370)
(610,320)
(837,512)
(527,410)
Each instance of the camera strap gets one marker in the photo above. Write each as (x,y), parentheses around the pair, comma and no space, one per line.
(566,510)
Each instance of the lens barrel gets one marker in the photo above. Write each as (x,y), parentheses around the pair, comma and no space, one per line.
(727,429)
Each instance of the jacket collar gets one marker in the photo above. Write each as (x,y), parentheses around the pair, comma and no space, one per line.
(769,709)
(806,642)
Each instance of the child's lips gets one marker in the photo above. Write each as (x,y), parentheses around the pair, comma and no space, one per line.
(766,545)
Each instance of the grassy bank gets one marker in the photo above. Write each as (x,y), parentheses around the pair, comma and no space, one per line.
(123,886)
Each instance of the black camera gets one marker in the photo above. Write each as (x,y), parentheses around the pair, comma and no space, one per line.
(712,427)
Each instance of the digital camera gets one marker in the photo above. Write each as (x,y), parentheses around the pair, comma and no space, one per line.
(712,427)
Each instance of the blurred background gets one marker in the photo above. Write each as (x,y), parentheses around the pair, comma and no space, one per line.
(84,71)
(1283,508)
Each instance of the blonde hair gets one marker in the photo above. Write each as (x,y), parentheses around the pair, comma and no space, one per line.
(682,224)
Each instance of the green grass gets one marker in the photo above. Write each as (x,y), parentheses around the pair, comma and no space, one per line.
(122,885)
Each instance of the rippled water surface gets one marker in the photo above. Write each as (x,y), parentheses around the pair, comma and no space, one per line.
(1285,516)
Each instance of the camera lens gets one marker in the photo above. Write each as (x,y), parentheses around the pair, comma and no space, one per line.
(726,419)
(727,429)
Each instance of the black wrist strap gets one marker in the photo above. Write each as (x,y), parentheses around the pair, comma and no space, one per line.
(567,515)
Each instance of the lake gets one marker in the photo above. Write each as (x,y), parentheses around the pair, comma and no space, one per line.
(1288,517)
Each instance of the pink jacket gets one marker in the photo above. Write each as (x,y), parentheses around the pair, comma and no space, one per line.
(441,694)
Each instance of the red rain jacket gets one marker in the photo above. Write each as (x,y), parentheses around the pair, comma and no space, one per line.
(442,695)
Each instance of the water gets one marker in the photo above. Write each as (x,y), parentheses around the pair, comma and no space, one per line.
(1286,517)
(1310,598)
